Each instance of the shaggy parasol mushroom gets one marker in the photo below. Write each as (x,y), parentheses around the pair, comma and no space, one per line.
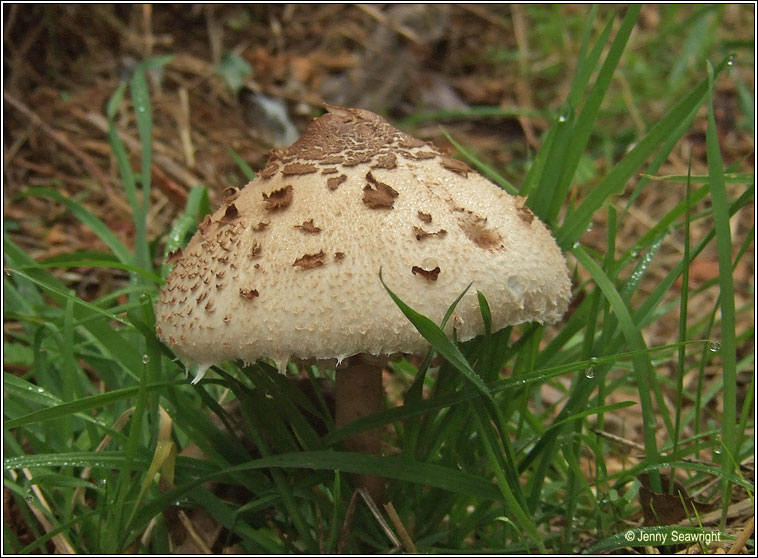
(288,267)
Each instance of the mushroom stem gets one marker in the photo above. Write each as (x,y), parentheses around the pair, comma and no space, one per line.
(360,393)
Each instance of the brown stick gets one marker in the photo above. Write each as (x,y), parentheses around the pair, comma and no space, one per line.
(61,138)
(360,393)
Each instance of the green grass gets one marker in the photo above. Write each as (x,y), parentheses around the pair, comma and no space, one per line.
(481,463)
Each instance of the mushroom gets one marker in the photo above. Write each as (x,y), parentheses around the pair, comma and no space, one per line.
(289,267)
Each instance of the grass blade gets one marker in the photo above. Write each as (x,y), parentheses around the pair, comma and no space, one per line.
(617,178)
(642,366)
(85,404)
(441,342)
(244,167)
(728,348)
(88,218)
(582,129)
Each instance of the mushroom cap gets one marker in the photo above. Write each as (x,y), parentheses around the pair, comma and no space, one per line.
(288,267)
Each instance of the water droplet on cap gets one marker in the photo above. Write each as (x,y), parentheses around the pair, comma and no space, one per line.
(429,264)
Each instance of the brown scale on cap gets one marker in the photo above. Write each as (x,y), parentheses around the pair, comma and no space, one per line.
(310,261)
(333,160)
(298,168)
(335,181)
(385,161)
(174,257)
(476,229)
(377,195)
(428,274)
(410,142)
(421,234)
(249,294)
(425,217)
(456,166)
(231,193)
(418,155)
(226,244)
(278,199)
(308,227)
(269,172)
(205,224)
(230,214)
(255,250)
(524,213)
(354,159)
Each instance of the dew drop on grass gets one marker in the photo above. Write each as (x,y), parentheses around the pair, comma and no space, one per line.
(714,346)
(141,108)
(143,298)
(590,373)
(730,60)
(145,358)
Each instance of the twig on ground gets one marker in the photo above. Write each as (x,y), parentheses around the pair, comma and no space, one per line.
(401,530)
(745,534)
(60,138)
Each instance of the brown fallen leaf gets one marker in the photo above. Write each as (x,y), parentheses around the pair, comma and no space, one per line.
(700,271)
(665,508)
